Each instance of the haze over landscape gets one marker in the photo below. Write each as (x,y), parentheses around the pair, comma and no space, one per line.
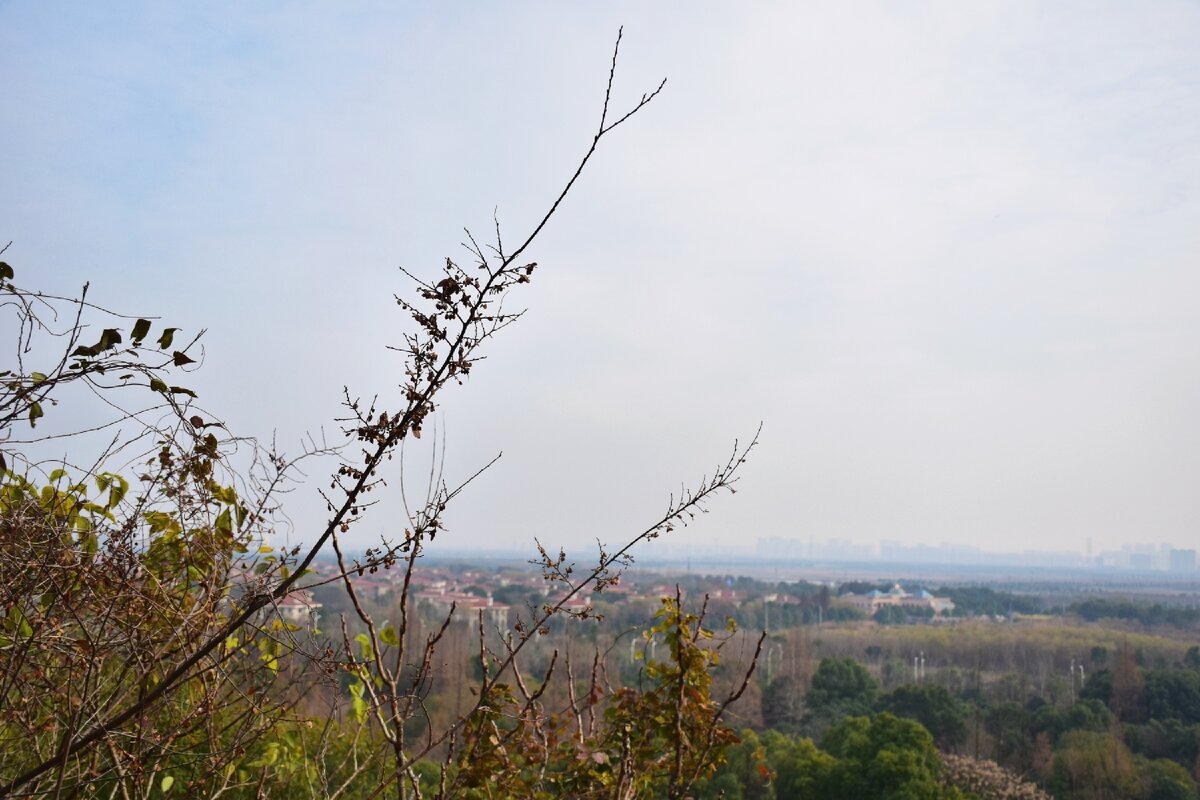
(947,253)
(917,282)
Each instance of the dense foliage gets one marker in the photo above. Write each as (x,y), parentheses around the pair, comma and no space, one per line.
(1145,613)
(981,600)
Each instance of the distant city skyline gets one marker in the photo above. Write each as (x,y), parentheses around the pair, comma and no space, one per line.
(1164,557)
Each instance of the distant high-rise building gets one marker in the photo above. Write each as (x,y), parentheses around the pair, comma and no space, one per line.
(1183,561)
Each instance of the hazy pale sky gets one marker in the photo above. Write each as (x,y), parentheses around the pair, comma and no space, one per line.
(948,253)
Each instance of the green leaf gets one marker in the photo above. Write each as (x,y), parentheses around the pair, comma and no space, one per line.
(5,271)
(181,358)
(37,377)
(85,352)
(167,337)
(357,702)
(182,390)
(140,329)
(269,757)
(387,635)
(225,494)
(18,620)
(158,385)
(364,642)
(158,521)
(109,337)
(224,523)
(117,490)
(35,411)
(166,783)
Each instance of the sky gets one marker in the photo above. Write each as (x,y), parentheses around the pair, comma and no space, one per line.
(946,253)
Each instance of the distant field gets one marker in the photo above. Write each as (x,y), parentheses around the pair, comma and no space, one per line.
(1033,646)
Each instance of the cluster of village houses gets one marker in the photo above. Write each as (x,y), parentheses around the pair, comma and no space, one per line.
(440,588)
